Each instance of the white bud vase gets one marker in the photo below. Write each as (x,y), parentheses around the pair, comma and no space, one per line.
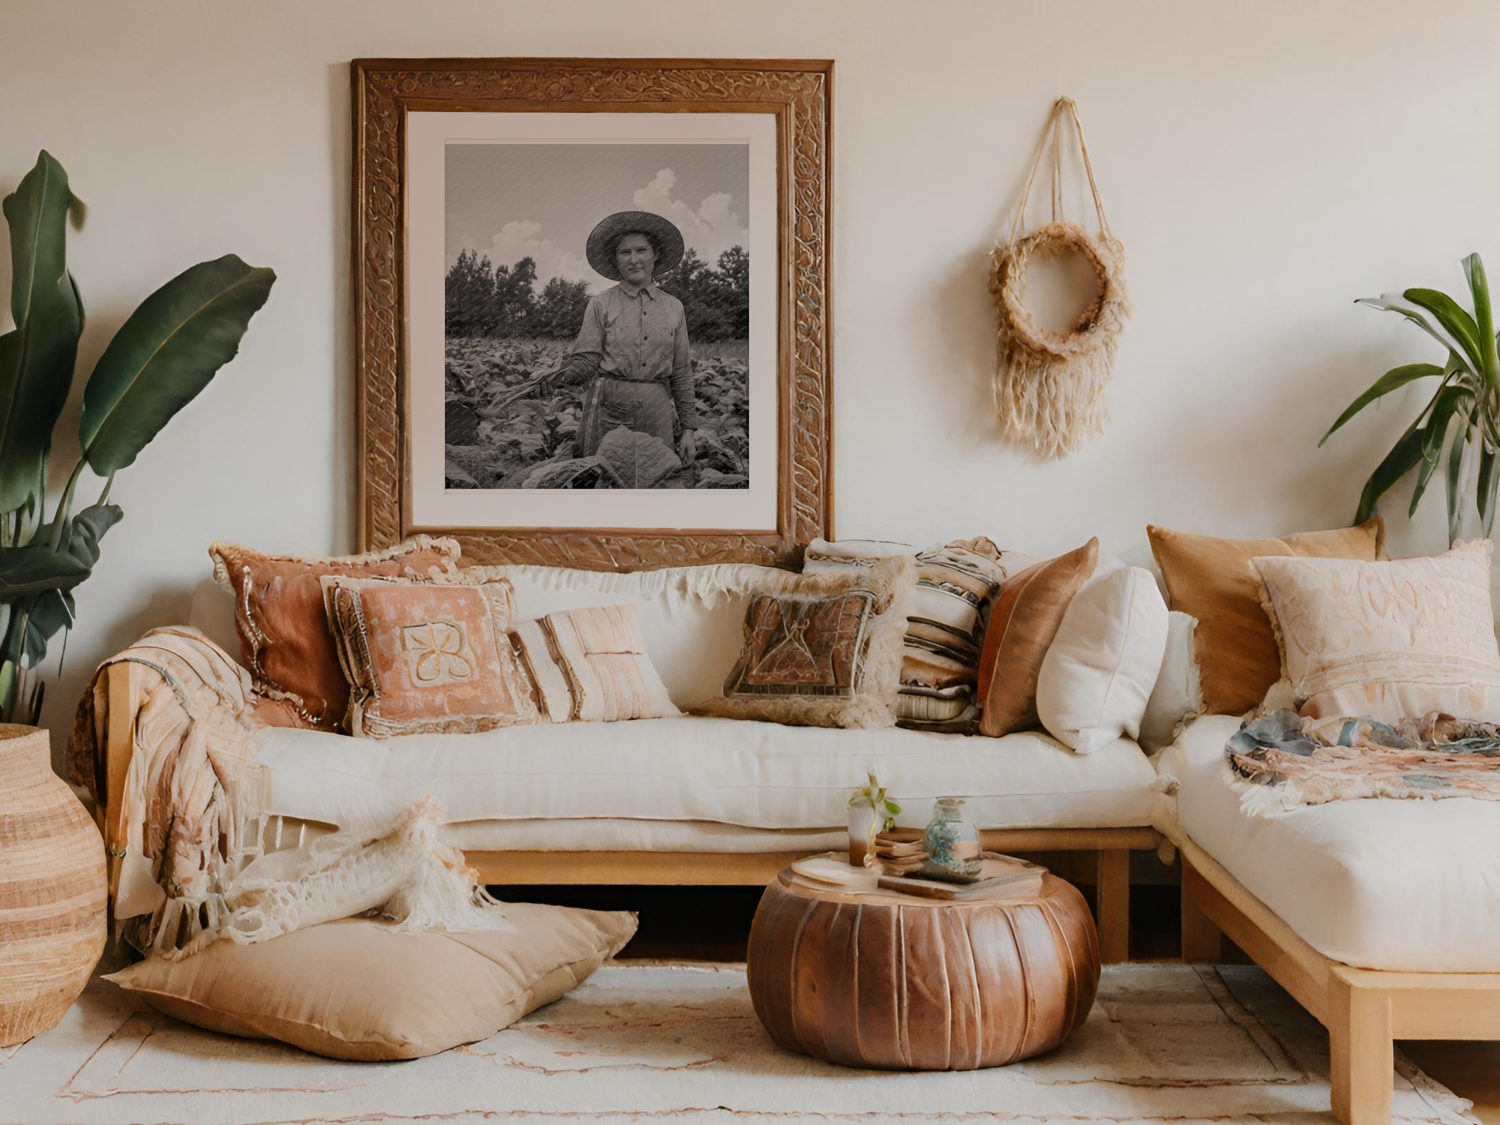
(861,819)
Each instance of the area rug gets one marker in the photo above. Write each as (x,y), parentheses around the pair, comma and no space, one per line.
(650,1042)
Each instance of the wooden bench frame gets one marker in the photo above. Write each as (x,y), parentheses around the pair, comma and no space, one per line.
(636,868)
(1364,1010)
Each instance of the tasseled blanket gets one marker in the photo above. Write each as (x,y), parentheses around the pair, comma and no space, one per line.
(1281,761)
(196,863)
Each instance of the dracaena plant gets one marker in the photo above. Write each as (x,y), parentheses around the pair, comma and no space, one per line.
(158,361)
(1459,427)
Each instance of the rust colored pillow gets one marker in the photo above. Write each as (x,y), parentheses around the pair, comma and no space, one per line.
(1025,619)
(427,657)
(1215,581)
(284,636)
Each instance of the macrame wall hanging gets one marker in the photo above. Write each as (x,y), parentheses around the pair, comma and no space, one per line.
(1049,386)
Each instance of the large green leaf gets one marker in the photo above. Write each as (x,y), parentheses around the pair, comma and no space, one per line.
(1396,303)
(37,567)
(1479,289)
(37,356)
(1489,479)
(1393,379)
(164,355)
(1455,474)
(1403,457)
(1448,402)
(1454,319)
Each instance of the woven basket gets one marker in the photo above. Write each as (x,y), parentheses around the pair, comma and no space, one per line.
(52,889)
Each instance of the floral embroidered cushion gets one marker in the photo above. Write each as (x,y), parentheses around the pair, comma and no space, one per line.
(424,658)
(590,665)
(283,630)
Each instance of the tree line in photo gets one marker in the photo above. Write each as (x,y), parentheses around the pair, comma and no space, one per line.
(504,302)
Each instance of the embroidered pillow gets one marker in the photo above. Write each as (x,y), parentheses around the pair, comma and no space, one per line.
(956,585)
(823,649)
(591,665)
(283,629)
(1213,580)
(1391,640)
(424,658)
(1025,619)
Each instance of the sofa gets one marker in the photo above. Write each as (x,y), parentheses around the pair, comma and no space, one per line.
(688,800)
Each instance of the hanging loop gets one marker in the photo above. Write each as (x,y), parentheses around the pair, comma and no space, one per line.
(1064,106)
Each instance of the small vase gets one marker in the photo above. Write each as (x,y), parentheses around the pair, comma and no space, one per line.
(52,889)
(861,823)
(952,844)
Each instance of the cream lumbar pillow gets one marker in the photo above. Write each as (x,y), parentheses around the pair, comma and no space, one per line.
(356,989)
(1390,640)
(1100,668)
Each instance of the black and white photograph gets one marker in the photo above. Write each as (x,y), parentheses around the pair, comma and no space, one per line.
(596,315)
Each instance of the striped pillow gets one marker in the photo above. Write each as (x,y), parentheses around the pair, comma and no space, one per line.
(591,665)
(956,584)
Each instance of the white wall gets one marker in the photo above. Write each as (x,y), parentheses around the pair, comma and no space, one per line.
(1264,164)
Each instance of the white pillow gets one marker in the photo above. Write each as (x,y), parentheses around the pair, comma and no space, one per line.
(1178,695)
(1098,674)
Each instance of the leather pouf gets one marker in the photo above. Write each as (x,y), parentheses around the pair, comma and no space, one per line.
(52,889)
(896,982)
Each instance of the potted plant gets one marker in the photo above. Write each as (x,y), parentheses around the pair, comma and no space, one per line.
(870,811)
(161,357)
(1463,413)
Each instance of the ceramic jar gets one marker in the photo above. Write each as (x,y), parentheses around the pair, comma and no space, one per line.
(951,843)
(52,888)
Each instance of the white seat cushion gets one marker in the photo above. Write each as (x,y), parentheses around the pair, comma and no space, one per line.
(1409,885)
(729,771)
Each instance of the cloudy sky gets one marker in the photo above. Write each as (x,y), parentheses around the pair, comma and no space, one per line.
(514,200)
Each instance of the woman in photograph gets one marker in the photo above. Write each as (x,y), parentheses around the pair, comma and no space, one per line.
(632,347)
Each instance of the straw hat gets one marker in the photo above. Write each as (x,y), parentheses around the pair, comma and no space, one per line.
(602,241)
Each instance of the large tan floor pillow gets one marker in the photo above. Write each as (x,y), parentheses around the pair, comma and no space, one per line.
(355,989)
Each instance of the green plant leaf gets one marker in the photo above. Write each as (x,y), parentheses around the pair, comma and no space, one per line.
(37,356)
(81,540)
(1391,302)
(1479,289)
(1402,458)
(1488,480)
(1393,379)
(1448,402)
(1455,475)
(37,567)
(1454,319)
(166,353)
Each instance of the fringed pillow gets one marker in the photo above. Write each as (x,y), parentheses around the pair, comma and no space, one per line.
(283,629)
(427,658)
(590,665)
(823,649)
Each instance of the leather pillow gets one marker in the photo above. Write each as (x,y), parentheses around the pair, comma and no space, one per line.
(356,990)
(1214,581)
(1026,617)
(284,636)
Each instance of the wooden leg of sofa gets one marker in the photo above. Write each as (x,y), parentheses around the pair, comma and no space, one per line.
(1361,1051)
(1112,886)
(1202,941)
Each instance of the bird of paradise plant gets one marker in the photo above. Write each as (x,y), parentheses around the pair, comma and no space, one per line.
(1463,413)
(158,361)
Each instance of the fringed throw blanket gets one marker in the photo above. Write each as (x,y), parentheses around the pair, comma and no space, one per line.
(1281,761)
(191,859)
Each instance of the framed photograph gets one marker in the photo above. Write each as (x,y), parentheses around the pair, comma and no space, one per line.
(591,307)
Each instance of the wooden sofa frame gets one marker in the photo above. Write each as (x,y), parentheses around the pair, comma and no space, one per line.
(1112,846)
(1364,1010)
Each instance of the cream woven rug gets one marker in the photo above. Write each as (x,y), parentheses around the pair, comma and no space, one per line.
(646,1042)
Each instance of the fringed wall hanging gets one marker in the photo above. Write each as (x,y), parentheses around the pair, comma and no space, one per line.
(1049,386)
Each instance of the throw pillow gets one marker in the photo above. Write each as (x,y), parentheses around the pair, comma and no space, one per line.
(956,585)
(283,629)
(1026,617)
(1213,580)
(354,990)
(1100,668)
(591,665)
(823,649)
(1177,695)
(427,658)
(1391,640)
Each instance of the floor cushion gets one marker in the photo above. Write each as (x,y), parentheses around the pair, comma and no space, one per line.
(355,990)
(1379,884)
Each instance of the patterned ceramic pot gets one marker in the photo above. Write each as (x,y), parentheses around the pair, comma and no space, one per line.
(952,843)
(52,889)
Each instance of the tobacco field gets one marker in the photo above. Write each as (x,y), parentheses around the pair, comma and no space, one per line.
(504,433)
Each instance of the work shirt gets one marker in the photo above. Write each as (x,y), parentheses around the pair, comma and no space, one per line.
(639,335)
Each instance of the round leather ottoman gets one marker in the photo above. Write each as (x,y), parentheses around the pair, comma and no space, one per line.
(896,982)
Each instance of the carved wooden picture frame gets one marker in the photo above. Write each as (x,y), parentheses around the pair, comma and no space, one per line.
(796,94)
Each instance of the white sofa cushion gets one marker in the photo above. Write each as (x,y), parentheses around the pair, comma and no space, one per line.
(730,771)
(1379,884)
